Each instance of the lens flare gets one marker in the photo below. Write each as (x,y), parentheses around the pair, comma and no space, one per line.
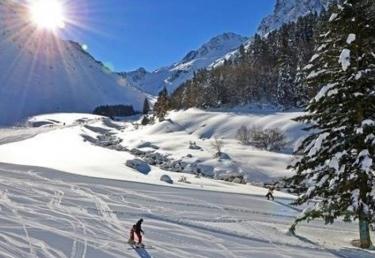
(47,14)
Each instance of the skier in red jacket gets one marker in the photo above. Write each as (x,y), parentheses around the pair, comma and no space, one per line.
(136,230)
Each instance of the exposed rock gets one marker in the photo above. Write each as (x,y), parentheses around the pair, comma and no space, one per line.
(148,145)
(166,179)
(139,165)
(194,146)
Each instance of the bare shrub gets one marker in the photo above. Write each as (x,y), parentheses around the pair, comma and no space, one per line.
(268,139)
(218,145)
(243,135)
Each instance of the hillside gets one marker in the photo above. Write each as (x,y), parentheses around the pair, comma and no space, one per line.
(270,70)
(42,74)
(107,146)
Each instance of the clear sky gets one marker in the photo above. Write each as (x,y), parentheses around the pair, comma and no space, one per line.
(128,34)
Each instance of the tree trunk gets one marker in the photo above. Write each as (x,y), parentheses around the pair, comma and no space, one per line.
(364,233)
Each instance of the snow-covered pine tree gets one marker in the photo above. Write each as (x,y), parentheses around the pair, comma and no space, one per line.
(300,91)
(337,165)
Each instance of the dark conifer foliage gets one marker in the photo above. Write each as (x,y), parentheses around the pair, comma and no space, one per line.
(146,107)
(116,110)
(162,105)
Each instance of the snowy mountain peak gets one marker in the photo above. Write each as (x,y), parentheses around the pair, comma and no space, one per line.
(174,75)
(286,11)
(221,42)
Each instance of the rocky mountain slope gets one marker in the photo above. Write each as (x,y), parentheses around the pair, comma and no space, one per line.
(288,11)
(173,76)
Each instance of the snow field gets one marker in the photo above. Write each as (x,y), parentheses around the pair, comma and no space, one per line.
(47,213)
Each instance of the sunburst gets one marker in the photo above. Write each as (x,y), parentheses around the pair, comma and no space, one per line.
(47,14)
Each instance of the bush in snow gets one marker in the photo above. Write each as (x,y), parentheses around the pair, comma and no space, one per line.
(183,179)
(167,179)
(230,177)
(218,145)
(139,165)
(268,139)
(244,135)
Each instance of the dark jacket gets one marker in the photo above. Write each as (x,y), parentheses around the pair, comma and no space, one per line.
(138,226)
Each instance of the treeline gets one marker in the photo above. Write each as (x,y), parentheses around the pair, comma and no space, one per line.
(116,110)
(270,70)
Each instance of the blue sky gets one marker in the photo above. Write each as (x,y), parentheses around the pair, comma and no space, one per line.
(128,34)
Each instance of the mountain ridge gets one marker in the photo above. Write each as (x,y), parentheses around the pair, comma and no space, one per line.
(286,11)
(174,75)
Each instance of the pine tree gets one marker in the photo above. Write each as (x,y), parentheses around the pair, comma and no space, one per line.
(162,105)
(337,165)
(300,90)
(146,107)
(285,83)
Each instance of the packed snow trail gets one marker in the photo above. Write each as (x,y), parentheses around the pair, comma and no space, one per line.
(47,213)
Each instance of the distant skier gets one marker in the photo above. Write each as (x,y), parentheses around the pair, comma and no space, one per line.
(269,195)
(136,230)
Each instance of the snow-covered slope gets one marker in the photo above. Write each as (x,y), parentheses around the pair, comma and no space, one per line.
(39,73)
(47,213)
(169,142)
(176,74)
(288,11)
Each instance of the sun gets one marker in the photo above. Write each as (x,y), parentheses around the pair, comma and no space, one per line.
(47,14)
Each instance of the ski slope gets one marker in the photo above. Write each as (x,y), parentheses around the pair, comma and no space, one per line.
(47,213)
(64,196)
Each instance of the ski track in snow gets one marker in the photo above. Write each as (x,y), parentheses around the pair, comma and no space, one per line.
(45,213)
